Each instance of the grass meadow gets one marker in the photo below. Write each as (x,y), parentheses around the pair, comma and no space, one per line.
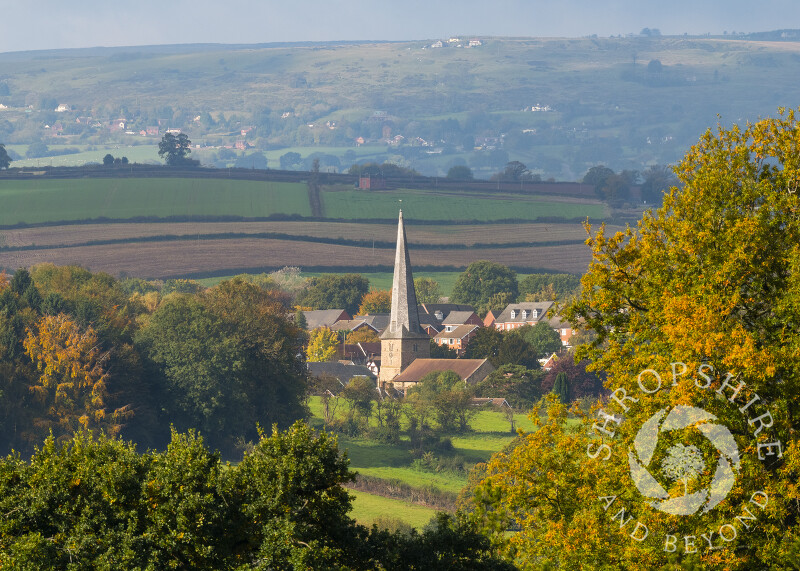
(37,201)
(490,433)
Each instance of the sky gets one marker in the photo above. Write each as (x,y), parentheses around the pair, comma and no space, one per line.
(55,24)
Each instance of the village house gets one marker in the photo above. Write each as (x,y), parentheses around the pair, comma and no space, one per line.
(516,315)
(456,338)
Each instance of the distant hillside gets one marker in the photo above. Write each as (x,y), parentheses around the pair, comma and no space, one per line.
(558,105)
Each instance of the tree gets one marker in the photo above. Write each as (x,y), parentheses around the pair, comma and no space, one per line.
(323,345)
(175,150)
(683,463)
(460,172)
(582,382)
(290,160)
(5,160)
(108,160)
(376,301)
(37,150)
(363,335)
(561,387)
(710,279)
(334,291)
(485,344)
(515,350)
(427,290)
(658,179)
(480,281)
(516,171)
(73,380)
(542,337)
(450,399)
(520,386)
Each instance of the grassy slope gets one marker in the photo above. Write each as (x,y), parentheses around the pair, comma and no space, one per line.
(368,507)
(47,200)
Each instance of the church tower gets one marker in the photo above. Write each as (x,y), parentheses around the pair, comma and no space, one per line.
(404,340)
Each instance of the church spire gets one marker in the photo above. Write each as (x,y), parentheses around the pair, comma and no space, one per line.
(405,315)
(404,340)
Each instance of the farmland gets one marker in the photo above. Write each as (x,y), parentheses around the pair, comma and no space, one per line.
(199,227)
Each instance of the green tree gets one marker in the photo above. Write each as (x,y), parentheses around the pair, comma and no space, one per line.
(520,386)
(428,290)
(175,150)
(37,150)
(485,344)
(515,350)
(290,160)
(334,291)
(658,179)
(108,160)
(482,280)
(5,160)
(542,337)
(561,387)
(450,398)
(460,172)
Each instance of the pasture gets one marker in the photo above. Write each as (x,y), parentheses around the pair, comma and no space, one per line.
(46,200)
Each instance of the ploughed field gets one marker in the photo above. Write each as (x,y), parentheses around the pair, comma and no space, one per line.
(195,227)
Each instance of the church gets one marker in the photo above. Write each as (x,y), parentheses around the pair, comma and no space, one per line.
(405,347)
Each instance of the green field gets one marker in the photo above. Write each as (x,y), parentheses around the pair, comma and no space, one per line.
(368,507)
(36,201)
(396,462)
(432,205)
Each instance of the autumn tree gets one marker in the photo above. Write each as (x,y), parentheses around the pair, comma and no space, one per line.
(702,293)
(362,335)
(323,345)
(73,377)
(376,301)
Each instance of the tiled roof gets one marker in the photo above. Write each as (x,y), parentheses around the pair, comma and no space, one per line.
(421,367)
(457,317)
(458,333)
(339,370)
(324,317)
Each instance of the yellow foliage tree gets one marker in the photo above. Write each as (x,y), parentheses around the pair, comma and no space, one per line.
(363,335)
(323,345)
(695,314)
(376,301)
(72,380)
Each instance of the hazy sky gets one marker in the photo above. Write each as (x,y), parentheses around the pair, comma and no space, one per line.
(47,24)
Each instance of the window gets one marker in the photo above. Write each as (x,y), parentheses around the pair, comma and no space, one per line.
(525,313)
(535,313)
(513,313)
(448,328)
(414,349)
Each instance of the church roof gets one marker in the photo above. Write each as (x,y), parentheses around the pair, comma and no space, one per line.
(404,319)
